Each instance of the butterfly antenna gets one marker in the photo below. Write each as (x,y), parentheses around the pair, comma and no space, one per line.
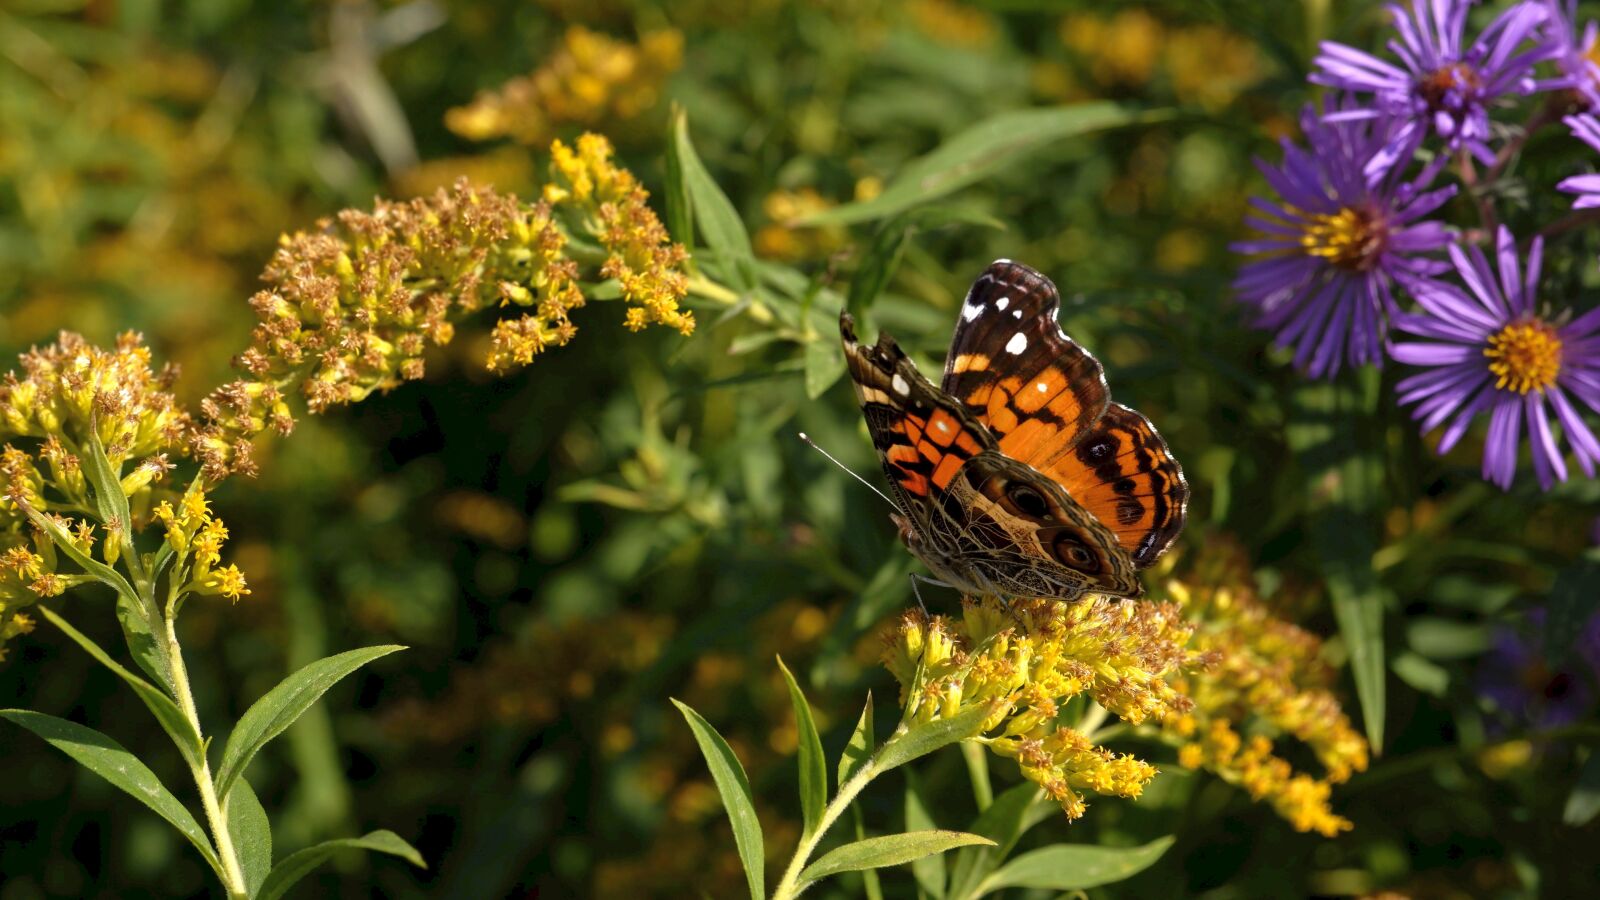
(813,445)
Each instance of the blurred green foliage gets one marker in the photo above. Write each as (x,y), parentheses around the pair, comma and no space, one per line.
(630,518)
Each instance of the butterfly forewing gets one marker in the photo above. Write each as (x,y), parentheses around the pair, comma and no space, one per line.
(1015,370)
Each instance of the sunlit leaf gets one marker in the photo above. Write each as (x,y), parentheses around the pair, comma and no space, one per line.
(298,865)
(813,768)
(734,787)
(889,850)
(1066,867)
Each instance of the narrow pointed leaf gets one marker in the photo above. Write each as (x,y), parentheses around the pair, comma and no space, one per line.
(109,500)
(680,208)
(889,850)
(251,833)
(734,787)
(859,749)
(160,705)
(981,150)
(714,213)
(298,865)
(89,564)
(279,707)
(813,768)
(824,365)
(1067,867)
(923,739)
(111,761)
(146,650)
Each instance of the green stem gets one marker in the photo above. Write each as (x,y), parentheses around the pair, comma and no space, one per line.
(232,873)
(789,886)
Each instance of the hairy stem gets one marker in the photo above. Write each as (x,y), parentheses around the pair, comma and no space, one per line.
(789,886)
(232,873)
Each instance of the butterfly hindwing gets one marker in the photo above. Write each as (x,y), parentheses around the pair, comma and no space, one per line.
(1122,472)
(1016,371)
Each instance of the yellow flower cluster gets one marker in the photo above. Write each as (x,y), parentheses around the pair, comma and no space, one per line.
(954,23)
(640,254)
(72,400)
(1268,675)
(1031,656)
(1204,65)
(589,80)
(193,532)
(351,307)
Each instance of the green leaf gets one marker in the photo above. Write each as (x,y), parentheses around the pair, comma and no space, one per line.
(1003,822)
(108,759)
(735,790)
(89,564)
(813,768)
(160,705)
(1343,470)
(927,737)
(1584,801)
(824,365)
(1067,867)
(882,257)
(889,850)
(719,221)
(929,870)
(279,707)
(296,866)
(142,643)
(981,150)
(109,500)
(859,749)
(680,210)
(251,834)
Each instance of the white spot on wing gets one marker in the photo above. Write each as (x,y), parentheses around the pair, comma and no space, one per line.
(1017,344)
(1042,387)
(971,311)
(899,385)
(942,425)
(1017,314)
(1002,303)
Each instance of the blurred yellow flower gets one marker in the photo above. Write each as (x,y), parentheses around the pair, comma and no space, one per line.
(1121,50)
(1029,657)
(589,80)
(783,240)
(954,23)
(1211,66)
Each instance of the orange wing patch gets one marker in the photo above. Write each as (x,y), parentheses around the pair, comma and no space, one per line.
(1123,474)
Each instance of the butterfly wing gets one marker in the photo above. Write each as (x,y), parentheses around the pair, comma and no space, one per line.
(1046,400)
(979,519)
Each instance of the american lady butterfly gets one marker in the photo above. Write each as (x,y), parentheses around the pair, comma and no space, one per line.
(1018,476)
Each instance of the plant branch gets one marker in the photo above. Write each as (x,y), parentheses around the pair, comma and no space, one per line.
(789,886)
(232,872)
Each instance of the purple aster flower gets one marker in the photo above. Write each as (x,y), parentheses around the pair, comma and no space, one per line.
(1493,352)
(1517,676)
(1576,55)
(1441,84)
(1587,187)
(1339,235)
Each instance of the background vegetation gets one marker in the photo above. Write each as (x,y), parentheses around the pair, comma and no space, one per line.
(630,519)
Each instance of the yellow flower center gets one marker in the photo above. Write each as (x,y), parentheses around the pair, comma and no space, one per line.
(1524,356)
(1350,238)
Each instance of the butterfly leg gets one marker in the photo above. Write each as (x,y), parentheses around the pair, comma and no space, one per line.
(919,577)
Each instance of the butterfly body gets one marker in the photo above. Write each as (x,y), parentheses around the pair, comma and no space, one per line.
(1017,476)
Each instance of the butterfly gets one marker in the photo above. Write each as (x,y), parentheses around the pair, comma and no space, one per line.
(1017,476)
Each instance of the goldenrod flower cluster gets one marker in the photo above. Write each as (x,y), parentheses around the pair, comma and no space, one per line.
(196,538)
(954,23)
(352,306)
(1268,679)
(72,400)
(589,80)
(1029,657)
